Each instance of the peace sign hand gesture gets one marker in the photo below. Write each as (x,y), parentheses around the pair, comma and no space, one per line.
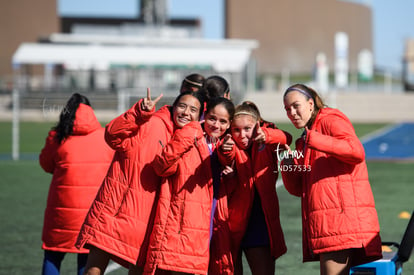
(147,104)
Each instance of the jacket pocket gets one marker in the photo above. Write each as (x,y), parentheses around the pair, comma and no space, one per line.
(340,195)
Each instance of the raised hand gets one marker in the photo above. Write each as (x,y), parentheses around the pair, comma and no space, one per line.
(148,104)
(260,136)
(227,144)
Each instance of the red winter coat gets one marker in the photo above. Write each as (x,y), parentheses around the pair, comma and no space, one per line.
(338,209)
(122,211)
(78,164)
(181,234)
(259,170)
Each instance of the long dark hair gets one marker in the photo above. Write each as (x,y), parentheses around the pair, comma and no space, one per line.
(64,127)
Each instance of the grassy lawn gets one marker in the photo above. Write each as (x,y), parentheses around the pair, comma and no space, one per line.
(32,137)
(24,189)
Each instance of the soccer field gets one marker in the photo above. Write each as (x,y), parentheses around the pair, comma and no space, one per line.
(24,188)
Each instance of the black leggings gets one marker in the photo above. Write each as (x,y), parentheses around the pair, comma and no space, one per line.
(53,259)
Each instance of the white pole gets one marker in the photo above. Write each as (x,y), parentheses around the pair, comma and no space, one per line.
(15,123)
(251,76)
(122,97)
(341,60)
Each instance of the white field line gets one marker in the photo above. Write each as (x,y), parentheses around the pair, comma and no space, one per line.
(112,267)
(279,182)
(379,132)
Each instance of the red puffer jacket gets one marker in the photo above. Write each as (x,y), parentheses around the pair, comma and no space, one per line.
(79,165)
(124,207)
(338,209)
(259,170)
(181,234)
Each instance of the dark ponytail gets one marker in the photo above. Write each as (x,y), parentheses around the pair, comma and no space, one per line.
(64,127)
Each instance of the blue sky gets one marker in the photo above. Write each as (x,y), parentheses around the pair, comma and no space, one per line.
(210,11)
(393,20)
(393,24)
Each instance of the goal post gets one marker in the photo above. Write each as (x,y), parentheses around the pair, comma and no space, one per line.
(15,123)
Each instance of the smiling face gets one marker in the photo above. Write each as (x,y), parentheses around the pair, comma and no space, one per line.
(217,121)
(186,110)
(298,108)
(242,130)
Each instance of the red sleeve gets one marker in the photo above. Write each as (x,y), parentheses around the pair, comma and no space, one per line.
(142,116)
(166,163)
(274,136)
(119,131)
(47,157)
(340,140)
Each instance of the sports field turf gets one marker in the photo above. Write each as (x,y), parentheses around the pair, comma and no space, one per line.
(24,188)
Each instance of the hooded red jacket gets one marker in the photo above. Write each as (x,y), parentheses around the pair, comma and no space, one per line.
(123,209)
(338,209)
(79,165)
(181,234)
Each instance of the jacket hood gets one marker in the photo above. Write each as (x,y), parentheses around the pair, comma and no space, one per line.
(329,112)
(85,120)
(164,113)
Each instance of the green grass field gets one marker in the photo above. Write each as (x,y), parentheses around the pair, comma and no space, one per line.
(24,188)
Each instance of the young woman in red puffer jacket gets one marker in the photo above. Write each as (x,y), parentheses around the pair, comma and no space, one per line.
(121,217)
(180,239)
(253,206)
(328,171)
(78,157)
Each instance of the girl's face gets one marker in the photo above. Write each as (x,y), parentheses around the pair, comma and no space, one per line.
(298,108)
(186,110)
(217,121)
(242,130)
